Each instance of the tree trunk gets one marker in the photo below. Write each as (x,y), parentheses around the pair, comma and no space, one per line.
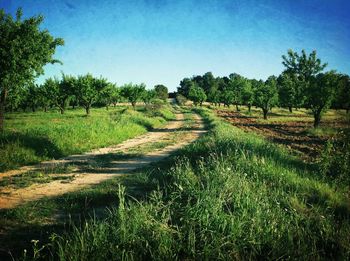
(133,105)
(317,117)
(62,110)
(107,107)
(2,108)
(87,109)
(290,109)
(265,114)
(237,108)
(45,108)
(249,107)
(347,110)
(33,109)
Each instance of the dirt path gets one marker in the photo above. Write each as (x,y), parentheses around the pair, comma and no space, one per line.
(10,197)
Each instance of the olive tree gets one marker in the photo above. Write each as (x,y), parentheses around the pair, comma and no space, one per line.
(25,49)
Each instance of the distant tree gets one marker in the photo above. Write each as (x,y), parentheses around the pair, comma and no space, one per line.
(43,97)
(133,92)
(107,95)
(88,89)
(161,91)
(32,96)
(58,92)
(320,93)
(197,95)
(25,49)
(237,83)
(266,95)
(228,97)
(287,90)
(148,96)
(185,86)
(303,65)
(248,94)
(342,100)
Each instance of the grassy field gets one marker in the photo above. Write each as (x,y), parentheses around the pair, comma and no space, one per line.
(230,195)
(33,137)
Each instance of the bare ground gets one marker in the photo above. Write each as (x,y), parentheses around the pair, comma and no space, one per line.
(292,134)
(84,177)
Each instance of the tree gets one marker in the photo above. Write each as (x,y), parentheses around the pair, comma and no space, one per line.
(161,91)
(287,90)
(32,96)
(59,91)
(108,95)
(266,95)
(342,100)
(248,94)
(133,92)
(320,93)
(228,97)
(88,89)
(25,49)
(148,96)
(237,83)
(185,86)
(303,65)
(197,95)
(44,100)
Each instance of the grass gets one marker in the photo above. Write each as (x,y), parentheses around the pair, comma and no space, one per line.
(230,195)
(43,176)
(33,137)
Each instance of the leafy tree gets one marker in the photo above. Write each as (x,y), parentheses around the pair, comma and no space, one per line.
(148,96)
(44,100)
(32,96)
(266,95)
(88,89)
(185,86)
(248,94)
(303,65)
(25,49)
(197,95)
(287,90)
(237,83)
(228,97)
(343,93)
(161,91)
(320,93)
(54,91)
(133,92)
(108,95)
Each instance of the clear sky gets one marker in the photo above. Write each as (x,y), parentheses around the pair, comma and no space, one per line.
(156,42)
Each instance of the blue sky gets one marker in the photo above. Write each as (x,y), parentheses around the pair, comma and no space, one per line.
(164,41)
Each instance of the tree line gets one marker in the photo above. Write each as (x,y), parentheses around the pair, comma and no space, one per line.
(83,90)
(303,84)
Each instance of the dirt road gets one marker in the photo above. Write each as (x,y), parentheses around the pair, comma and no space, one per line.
(89,169)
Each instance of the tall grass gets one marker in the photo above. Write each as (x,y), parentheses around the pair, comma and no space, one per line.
(33,137)
(231,195)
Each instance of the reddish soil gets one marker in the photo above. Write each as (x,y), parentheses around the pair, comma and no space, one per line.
(290,133)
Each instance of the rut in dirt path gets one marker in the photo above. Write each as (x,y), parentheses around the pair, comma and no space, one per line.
(114,166)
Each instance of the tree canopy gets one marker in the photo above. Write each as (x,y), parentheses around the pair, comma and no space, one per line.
(25,49)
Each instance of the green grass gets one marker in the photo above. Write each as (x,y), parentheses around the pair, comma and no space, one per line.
(231,195)
(38,176)
(33,137)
